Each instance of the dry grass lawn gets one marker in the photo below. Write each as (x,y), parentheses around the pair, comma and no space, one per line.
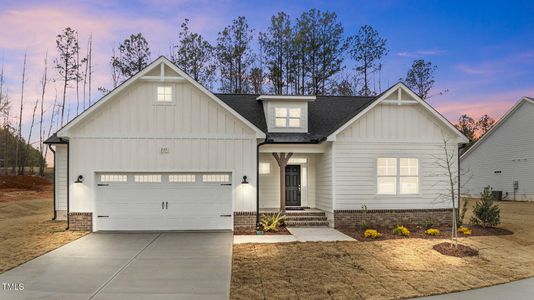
(26,229)
(388,269)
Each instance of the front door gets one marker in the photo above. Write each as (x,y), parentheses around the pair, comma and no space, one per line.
(292,185)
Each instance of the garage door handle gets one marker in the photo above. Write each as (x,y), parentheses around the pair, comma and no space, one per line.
(103,216)
(226,215)
(166,205)
(103,184)
(162,205)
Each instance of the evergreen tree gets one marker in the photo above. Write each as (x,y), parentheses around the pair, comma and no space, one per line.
(133,56)
(485,212)
(420,77)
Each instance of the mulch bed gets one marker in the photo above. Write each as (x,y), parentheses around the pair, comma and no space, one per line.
(25,182)
(281,231)
(419,232)
(457,251)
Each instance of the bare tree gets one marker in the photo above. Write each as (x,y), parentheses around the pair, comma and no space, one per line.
(90,64)
(52,113)
(44,82)
(19,132)
(66,63)
(4,112)
(28,142)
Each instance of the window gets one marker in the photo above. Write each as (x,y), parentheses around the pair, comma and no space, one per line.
(296,161)
(215,178)
(287,117)
(164,94)
(182,178)
(113,178)
(393,172)
(147,178)
(265,168)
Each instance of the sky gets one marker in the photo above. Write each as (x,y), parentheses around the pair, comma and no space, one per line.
(484,50)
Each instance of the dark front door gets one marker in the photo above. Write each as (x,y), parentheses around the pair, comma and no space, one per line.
(292,185)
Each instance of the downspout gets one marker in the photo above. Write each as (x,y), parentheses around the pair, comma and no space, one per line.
(68,186)
(460,147)
(54,190)
(258,184)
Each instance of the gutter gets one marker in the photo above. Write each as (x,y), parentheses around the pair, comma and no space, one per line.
(54,190)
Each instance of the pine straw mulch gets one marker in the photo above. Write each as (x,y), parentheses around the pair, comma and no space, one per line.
(384,269)
(27,231)
(457,250)
(419,232)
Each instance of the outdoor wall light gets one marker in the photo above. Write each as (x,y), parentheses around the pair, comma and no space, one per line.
(79,179)
(244,180)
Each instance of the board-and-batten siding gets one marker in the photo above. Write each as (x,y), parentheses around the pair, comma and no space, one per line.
(390,131)
(129,131)
(61,180)
(324,185)
(509,149)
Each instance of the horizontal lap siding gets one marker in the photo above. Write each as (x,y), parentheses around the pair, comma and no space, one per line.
(391,131)
(509,149)
(128,133)
(323,190)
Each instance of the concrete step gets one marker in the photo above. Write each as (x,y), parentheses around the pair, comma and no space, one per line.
(306,223)
(306,218)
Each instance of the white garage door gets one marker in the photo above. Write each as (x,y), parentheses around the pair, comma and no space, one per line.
(163,201)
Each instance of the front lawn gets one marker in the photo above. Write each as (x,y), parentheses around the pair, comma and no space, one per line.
(388,269)
(26,229)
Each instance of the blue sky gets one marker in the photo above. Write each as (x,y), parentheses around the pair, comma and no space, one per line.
(484,50)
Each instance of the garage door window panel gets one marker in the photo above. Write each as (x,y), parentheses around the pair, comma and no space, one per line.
(147,178)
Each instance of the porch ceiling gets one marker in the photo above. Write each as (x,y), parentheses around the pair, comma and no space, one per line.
(293,148)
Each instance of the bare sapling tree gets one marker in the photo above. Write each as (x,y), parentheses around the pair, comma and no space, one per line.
(19,132)
(53,112)
(44,82)
(66,63)
(90,66)
(26,161)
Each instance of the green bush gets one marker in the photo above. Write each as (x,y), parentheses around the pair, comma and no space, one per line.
(428,223)
(271,222)
(461,215)
(485,212)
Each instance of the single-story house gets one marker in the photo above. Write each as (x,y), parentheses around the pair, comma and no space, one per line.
(504,157)
(161,152)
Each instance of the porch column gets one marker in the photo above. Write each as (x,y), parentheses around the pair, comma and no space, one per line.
(282,159)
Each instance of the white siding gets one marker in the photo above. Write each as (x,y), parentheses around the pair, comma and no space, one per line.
(324,190)
(390,131)
(61,179)
(129,132)
(509,149)
(270,183)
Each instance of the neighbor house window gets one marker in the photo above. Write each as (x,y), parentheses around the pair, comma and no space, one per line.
(397,176)
(287,117)
(164,94)
(265,168)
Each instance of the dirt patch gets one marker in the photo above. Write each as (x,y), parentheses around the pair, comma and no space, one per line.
(27,231)
(281,231)
(24,182)
(455,250)
(419,233)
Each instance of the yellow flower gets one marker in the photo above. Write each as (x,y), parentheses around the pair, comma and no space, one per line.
(432,231)
(371,233)
(465,230)
(401,230)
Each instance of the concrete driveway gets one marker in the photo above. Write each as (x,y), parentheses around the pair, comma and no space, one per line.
(173,265)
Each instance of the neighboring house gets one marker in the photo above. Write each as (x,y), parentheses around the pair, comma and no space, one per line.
(161,152)
(504,157)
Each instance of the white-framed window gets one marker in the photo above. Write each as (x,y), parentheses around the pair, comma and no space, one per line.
(288,117)
(265,168)
(113,178)
(149,178)
(297,160)
(215,178)
(182,178)
(397,176)
(164,94)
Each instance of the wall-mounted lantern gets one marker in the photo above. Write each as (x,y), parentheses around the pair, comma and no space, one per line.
(79,179)
(244,180)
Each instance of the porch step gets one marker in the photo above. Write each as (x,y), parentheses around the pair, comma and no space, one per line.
(290,223)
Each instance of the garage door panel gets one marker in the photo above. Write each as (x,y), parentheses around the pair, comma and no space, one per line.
(130,205)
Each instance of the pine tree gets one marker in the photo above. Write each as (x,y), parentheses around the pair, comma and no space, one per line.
(485,212)
(420,77)
(133,56)
(66,62)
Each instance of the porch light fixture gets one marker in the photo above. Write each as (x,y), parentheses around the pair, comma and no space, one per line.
(79,179)
(245,181)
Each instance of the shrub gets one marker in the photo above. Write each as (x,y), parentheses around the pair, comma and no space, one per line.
(272,222)
(461,215)
(364,224)
(432,231)
(371,233)
(401,230)
(485,212)
(464,230)
(428,223)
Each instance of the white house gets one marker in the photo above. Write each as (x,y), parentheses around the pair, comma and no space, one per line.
(504,157)
(161,152)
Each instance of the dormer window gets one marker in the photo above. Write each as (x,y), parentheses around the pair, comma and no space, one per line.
(286,117)
(164,94)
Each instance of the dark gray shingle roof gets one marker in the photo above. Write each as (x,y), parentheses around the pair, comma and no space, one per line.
(326,114)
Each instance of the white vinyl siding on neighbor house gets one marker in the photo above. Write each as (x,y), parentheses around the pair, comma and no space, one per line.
(391,131)
(61,179)
(509,150)
(128,134)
